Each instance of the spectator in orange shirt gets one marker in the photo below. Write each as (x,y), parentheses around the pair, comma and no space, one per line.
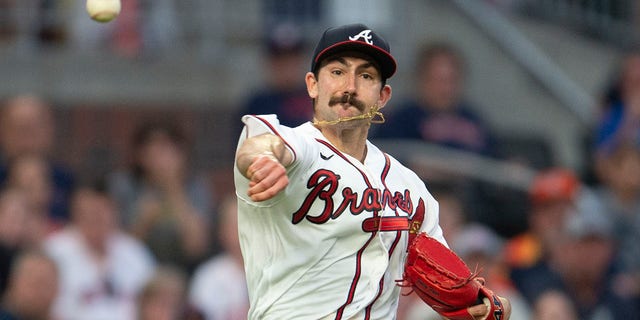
(552,195)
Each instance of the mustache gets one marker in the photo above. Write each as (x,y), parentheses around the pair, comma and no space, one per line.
(347,98)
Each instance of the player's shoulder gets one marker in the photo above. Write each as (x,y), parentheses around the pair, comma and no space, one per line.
(256,124)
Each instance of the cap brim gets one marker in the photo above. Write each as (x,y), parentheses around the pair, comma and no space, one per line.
(385,60)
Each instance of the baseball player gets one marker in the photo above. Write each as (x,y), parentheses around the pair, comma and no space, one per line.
(325,217)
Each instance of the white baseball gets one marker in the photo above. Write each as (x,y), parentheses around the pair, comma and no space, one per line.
(103,10)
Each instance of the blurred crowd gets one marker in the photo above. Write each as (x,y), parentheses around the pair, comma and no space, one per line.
(147,241)
(576,256)
(152,239)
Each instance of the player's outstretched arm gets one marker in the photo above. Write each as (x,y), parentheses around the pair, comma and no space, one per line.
(262,159)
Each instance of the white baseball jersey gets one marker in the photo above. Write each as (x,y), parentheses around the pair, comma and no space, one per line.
(333,243)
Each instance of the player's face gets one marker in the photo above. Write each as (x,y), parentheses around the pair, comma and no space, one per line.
(346,86)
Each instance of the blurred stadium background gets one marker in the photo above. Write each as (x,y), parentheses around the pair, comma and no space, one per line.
(537,67)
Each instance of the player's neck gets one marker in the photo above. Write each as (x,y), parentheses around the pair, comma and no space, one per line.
(351,141)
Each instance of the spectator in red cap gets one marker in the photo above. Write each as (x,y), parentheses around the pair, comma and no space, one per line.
(580,265)
(551,195)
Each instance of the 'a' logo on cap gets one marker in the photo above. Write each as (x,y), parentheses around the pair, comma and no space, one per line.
(364,34)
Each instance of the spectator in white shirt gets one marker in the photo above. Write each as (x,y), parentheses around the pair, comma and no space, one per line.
(102,269)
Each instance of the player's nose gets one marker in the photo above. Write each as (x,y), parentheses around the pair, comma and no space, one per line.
(350,84)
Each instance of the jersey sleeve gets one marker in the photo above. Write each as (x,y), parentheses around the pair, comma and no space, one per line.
(257,125)
(297,145)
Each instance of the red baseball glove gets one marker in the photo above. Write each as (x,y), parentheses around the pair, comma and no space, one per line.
(445,283)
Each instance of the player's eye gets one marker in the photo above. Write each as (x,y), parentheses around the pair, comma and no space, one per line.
(337,72)
(370,76)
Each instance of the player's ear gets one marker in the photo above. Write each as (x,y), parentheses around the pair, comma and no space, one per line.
(312,85)
(385,96)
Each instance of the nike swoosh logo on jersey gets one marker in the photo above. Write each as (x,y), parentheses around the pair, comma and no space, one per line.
(326,157)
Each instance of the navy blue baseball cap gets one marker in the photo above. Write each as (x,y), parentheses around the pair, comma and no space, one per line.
(359,38)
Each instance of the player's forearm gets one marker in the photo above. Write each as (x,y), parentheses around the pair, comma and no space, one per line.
(267,145)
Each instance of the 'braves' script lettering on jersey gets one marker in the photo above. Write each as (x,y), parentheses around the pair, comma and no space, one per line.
(323,184)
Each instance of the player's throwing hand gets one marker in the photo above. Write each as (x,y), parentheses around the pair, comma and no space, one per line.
(267,177)
(262,159)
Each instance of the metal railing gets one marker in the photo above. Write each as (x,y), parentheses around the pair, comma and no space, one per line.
(617,21)
(530,57)
(516,176)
